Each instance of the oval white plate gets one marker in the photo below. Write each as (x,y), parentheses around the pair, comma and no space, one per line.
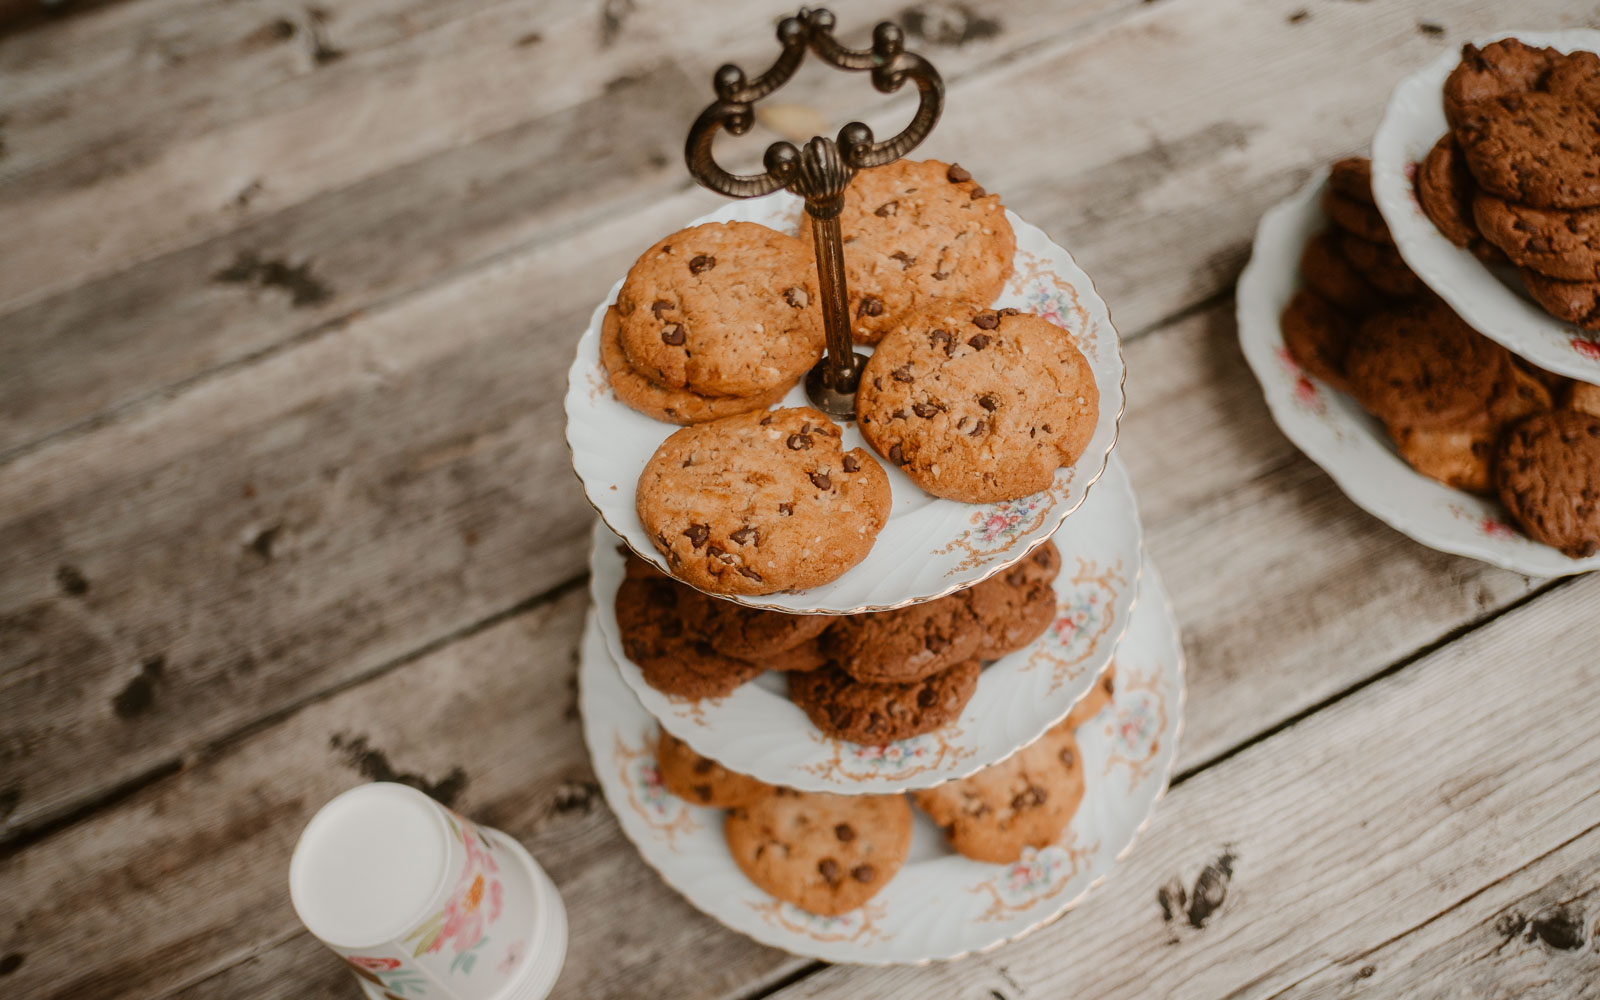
(1489,299)
(930,546)
(1019,696)
(1338,435)
(939,905)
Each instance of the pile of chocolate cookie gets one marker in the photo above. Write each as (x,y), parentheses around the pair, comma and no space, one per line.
(715,324)
(1517,177)
(1460,408)
(829,854)
(867,678)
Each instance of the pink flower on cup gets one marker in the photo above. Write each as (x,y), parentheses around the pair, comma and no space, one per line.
(374,964)
(475,903)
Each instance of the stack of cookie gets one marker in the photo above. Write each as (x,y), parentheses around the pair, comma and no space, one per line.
(1460,408)
(830,854)
(867,678)
(1517,177)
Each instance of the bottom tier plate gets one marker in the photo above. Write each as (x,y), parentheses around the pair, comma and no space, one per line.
(940,905)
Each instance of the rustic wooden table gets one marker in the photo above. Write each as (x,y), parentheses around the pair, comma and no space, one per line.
(287,293)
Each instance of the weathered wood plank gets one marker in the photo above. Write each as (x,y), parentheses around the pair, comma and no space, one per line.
(1528,936)
(1341,833)
(488,724)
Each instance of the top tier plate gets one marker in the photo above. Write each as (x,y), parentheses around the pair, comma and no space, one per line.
(930,547)
(1490,299)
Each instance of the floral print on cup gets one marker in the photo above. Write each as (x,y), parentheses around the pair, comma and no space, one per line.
(463,923)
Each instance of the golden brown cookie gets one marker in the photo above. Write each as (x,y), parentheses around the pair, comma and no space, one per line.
(1331,276)
(978,405)
(848,709)
(1548,472)
(1422,366)
(702,780)
(1584,398)
(1456,458)
(1561,243)
(1317,335)
(1026,800)
(675,406)
(827,854)
(674,657)
(1016,606)
(1539,149)
(762,502)
(915,230)
(1576,302)
(722,309)
(1500,68)
(1095,702)
(906,644)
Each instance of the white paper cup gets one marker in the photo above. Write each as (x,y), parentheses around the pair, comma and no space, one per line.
(423,904)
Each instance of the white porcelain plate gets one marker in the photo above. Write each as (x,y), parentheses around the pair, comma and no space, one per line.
(1338,435)
(939,905)
(1018,697)
(930,546)
(1489,299)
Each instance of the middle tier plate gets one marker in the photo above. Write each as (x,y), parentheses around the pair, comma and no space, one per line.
(929,547)
(759,731)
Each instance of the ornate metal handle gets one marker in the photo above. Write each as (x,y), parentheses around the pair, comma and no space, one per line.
(822,170)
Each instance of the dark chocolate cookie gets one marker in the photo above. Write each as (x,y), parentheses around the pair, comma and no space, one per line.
(1359,217)
(1317,336)
(1331,276)
(847,709)
(1576,75)
(1382,266)
(1539,149)
(1445,190)
(1422,366)
(906,644)
(1577,302)
(1496,70)
(674,658)
(1352,177)
(751,633)
(1548,472)
(1561,243)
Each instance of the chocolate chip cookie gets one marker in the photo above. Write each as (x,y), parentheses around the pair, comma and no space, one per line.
(1538,149)
(1317,336)
(1576,75)
(702,780)
(1584,398)
(906,644)
(1324,268)
(1018,605)
(1445,189)
(1423,367)
(1561,243)
(751,633)
(1352,177)
(1548,472)
(1576,302)
(762,502)
(1355,216)
(1026,800)
(675,406)
(848,709)
(1498,69)
(722,309)
(675,658)
(806,656)
(1382,266)
(978,404)
(1454,457)
(915,230)
(827,854)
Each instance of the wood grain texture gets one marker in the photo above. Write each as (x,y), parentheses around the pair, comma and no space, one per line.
(1352,828)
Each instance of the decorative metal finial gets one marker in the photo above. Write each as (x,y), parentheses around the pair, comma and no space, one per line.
(822,169)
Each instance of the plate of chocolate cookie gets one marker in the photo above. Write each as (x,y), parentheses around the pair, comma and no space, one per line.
(1420,419)
(879,701)
(999,411)
(893,879)
(1486,169)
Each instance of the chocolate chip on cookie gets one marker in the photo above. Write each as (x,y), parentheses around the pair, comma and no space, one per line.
(762,502)
(1548,472)
(702,780)
(848,709)
(827,854)
(978,404)
(906,644)
(915,230)
(722,309)
(1026,800)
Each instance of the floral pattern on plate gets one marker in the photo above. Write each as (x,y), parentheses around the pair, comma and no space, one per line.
(1018,697)
(940,905)
(1338,435)
(928,546)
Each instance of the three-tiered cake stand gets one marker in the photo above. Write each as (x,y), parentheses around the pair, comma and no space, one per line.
(1110,601)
